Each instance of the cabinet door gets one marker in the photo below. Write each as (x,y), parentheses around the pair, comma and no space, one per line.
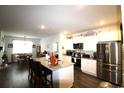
(91,64)
(88,66)
(83,65)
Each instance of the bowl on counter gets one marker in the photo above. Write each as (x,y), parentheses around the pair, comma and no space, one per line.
(86,56)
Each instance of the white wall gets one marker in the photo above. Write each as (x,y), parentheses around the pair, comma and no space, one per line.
(1,44)
(108,33)
(9,40)
(47,43)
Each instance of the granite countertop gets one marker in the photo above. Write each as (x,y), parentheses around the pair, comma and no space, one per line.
(84,58)
(62,63)
(89,58)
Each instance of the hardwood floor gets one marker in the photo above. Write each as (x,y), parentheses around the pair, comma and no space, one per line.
(82,80)
(16,76)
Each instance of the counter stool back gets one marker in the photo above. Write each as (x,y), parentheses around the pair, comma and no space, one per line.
(40,75)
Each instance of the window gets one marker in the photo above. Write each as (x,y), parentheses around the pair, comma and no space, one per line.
(55,47)
(22,46)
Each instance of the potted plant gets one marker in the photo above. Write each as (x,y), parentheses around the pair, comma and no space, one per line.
(4,57)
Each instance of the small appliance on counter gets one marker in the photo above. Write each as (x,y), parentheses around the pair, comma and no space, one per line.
(69,52)
(95,55)
(86,56)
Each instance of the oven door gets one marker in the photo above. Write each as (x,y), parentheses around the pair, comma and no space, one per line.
(78,62)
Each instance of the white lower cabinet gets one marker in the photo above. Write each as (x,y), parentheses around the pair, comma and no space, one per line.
(88,66)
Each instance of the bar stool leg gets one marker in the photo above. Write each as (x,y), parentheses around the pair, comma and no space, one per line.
(51,81)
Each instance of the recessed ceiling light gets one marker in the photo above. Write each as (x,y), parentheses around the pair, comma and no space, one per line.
(80,6)
(65,32)
(102,22)
(42,27)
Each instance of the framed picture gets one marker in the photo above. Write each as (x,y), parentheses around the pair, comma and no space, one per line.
(34,46)
(10,45)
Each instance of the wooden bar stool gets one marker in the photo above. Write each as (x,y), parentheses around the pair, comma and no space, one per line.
(40,74)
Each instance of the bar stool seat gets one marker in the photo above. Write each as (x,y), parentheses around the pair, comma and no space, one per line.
(40,75)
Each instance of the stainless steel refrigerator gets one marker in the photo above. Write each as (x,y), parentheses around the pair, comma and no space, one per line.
(109,61)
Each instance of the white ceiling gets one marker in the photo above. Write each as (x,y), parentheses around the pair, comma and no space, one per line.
(26,20)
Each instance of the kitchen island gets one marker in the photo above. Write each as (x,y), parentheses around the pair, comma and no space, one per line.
(62,74)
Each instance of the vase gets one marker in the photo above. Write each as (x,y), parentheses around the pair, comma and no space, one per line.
(53,60)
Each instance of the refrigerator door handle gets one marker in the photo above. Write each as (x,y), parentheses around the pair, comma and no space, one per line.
(110,64)
(110,70)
